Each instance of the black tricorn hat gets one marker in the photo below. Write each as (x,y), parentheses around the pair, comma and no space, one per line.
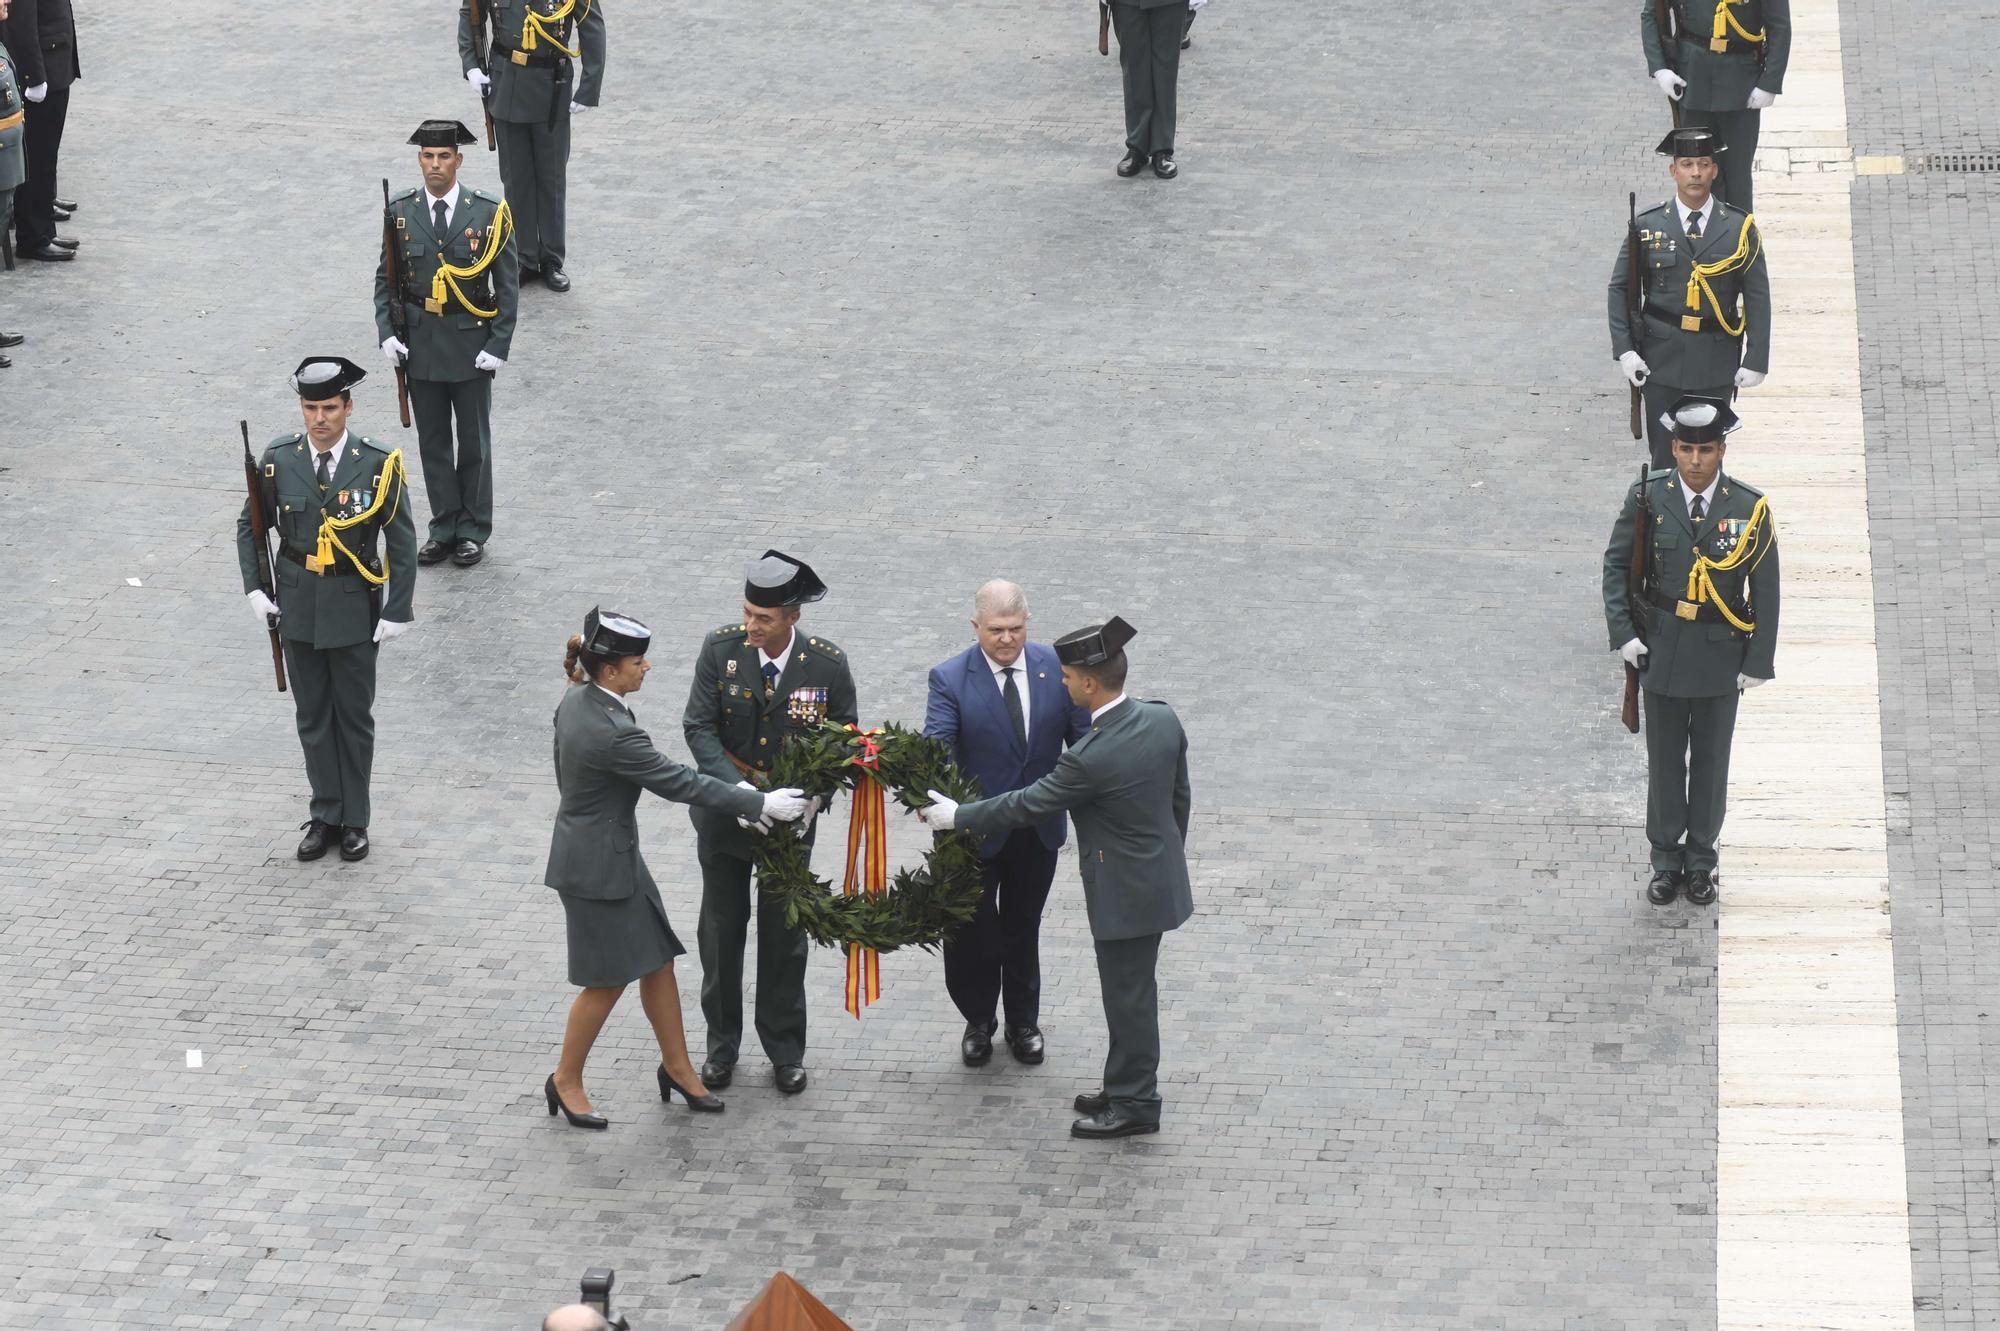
(777,579)
(442,134)
(1692,141)
(1096,644)
(1700,420)
(606,633)
(321,377)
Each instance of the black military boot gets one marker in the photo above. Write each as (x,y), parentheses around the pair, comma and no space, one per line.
(1701,887)
(1663,887)
(318,839)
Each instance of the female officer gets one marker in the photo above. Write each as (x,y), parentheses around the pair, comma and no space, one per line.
(618,930)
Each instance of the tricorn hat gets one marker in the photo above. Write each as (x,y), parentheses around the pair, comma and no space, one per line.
(442,134)
(321,377)
(1096,644)
(777,579)
(1692,141)
(1700,420)
(606,633)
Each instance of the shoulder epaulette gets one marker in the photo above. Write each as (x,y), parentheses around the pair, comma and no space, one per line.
(1659,473)
(1750,490)
(824,648)
(1656,208)
(284,441)
(481,194)
(727,631)
(409,193)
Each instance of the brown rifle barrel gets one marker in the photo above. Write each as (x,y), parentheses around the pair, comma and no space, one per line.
(1103,28)
(1635,585)
(258,534)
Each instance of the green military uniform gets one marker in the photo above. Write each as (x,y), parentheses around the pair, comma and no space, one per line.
(1149,60)
(1712,616)
(1725,48)
(461,290)
(537,47)
(13,126)
(346,559)
(1707,310)
(737,718)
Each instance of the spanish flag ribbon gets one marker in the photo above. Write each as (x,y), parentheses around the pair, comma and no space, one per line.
(867,867)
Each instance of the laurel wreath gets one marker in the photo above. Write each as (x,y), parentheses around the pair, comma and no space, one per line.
(925,905)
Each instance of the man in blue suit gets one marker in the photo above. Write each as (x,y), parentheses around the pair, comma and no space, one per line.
(1001,706)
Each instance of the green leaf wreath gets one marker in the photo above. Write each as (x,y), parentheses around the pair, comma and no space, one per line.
(924,906)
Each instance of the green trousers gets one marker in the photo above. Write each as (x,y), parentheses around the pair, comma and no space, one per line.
(333,691)
(1149,54)
(1126,972)
(457,481)
(1687,777)
(781,965)
(534,172)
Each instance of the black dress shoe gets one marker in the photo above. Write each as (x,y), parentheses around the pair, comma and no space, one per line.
(62,214)
(576,1120)
(354,843)
(319,836)
(1701,887)
(65,243)
(700,1104)
(1661,890)
(12,339)
(1092,1102)
(467,553)
(6,363)
(433,552)
(530,275)
(1163,166)
(555,279)
(1111,1123)
(977,1046)
(67,205)
(48,254)
(1025,1043)
(717,1076)
(791,1078)
(1134,163)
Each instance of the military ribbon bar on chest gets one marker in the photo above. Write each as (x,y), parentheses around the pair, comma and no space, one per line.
(806,706)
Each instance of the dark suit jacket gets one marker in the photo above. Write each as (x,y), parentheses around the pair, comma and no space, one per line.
(603,762)
(1126,784)
(41,36)
(966,711)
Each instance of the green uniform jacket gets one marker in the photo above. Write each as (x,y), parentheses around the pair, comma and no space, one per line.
(1721,81)
(537,93)
(13,160)
(1710,355)
(728,714)
(1126,785)
(1698,658)
(337,608)
(603,762)
(444,346)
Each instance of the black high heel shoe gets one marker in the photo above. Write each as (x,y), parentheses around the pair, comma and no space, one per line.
(576,1120)
(701,1104)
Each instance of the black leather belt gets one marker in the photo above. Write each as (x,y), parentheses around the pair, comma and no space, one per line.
(1731,45)
(1681,321)
(532,59)
(341,568)
(1704,613)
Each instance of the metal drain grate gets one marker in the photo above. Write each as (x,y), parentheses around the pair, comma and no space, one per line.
(1951,163)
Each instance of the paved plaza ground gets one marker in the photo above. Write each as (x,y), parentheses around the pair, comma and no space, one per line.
(1331,419)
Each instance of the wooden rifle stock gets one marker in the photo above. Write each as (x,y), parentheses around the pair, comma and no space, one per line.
(1103,27)
(1635,304)
(399,319)
(1638,594)
(259,534)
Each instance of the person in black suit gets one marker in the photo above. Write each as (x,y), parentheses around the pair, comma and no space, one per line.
(41,35)
(1001,706)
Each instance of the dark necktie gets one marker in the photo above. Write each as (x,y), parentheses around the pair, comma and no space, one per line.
(1694,226)
(1697,508)
(325,476)
(770,678)
(1013,697)
(437,212)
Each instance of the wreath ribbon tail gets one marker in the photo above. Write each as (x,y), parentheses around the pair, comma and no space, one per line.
(867,871)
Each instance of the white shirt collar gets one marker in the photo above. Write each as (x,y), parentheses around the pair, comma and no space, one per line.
(996,667)
(1707,496)
(618,698)
(1107,707)
(764,658)
(450,197)
(333,454)
(1707,211)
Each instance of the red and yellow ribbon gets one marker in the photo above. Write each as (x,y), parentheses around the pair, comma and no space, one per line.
(867,867)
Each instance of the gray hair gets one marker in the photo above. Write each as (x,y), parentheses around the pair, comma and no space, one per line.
(999,597)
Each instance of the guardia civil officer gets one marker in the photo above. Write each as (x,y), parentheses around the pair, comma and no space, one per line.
(532,91)
(13,163)
(1149,59)
(1705,330)
(1706,632)
(617,926)
(461,287)
(345,574)
(1722,65)
(1126,785)
(754,682)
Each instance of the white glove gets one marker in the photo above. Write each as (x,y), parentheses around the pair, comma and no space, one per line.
(575,107)
(1749,378)
(1672,84)
(942,813)
(260,606)
(805,824)
(36,93)
(477,78)
(1635,367)
(1759,99)
(1634,653)
(395,351)
(386,629)
(785,805)
(759,824)
(486,362)
(1194,6)
(1748,682)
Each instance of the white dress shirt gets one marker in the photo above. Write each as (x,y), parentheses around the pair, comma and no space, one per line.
(1706,212)
(765,658)
(1020,685)
(618,698)
(1107,707)
(450,198)
(1707,498)
(333,455)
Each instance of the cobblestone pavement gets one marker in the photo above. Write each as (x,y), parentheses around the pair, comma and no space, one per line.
(1331,419)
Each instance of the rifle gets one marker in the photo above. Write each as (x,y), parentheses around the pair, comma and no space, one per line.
(267,583)
(1103,27)
(481,52)
(399,317)
(1669,42)
(1638,585)
(1635,304)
